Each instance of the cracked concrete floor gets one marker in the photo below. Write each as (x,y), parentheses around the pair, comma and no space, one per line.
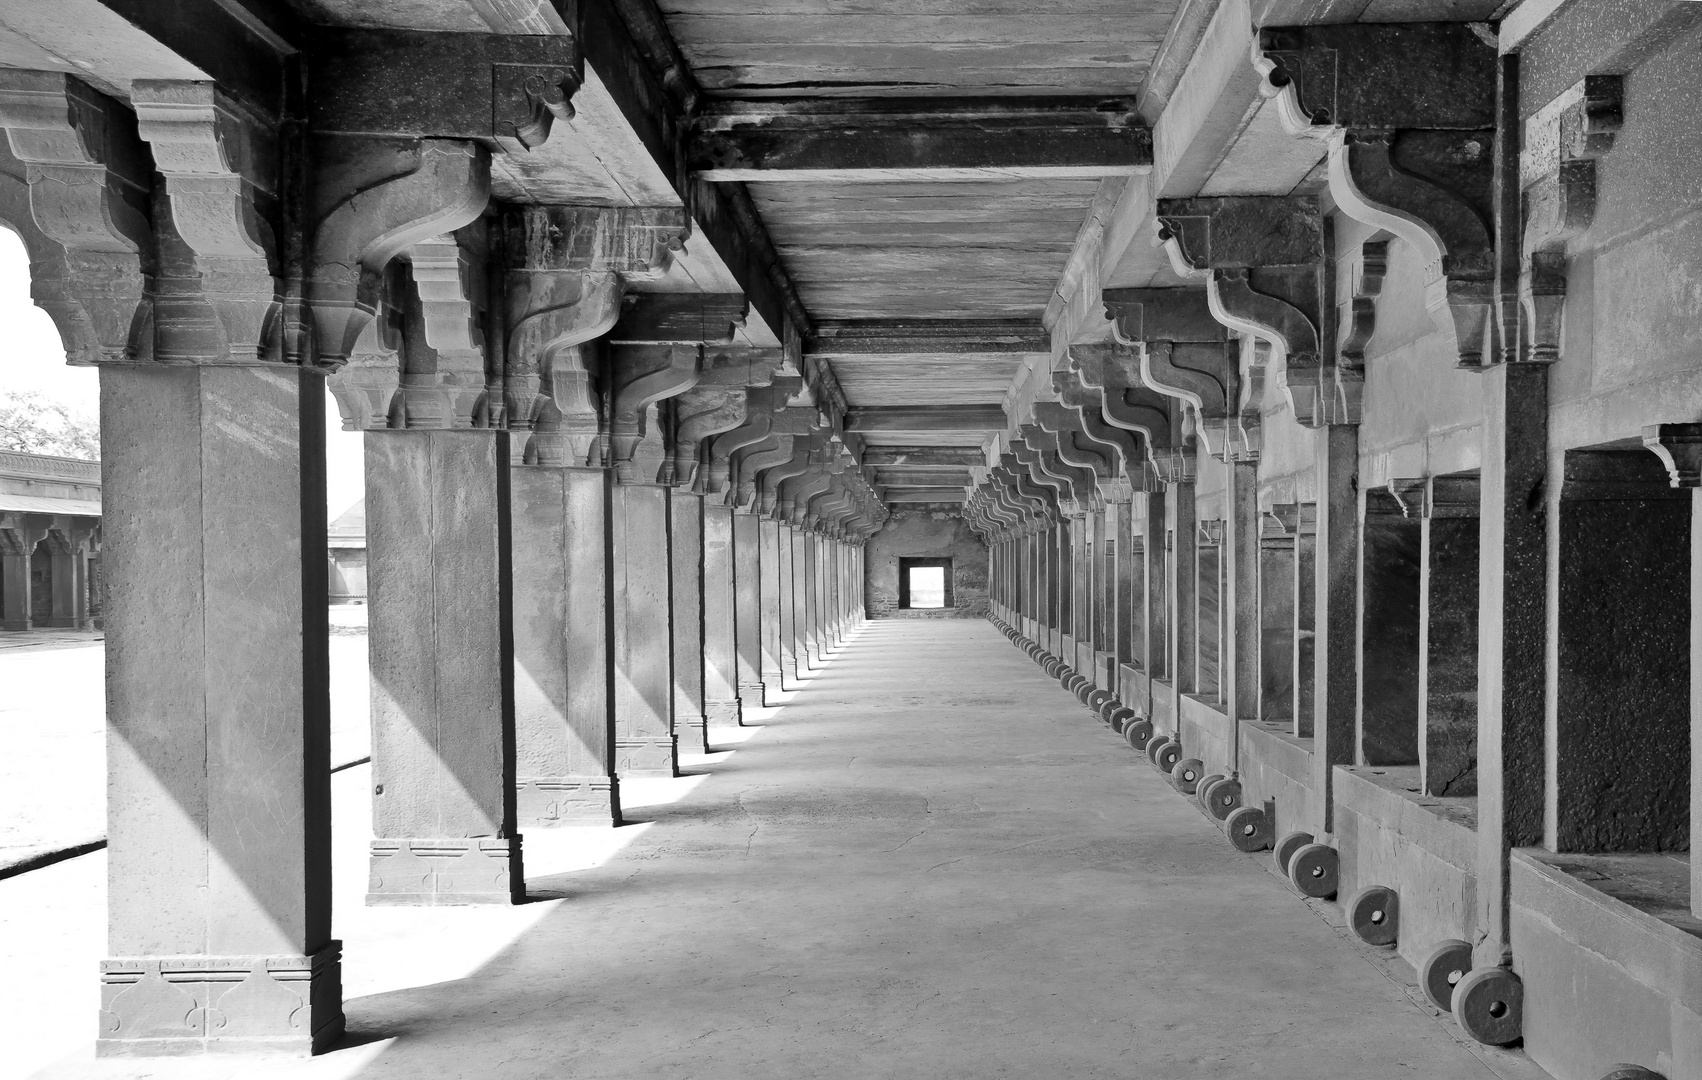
(932,862)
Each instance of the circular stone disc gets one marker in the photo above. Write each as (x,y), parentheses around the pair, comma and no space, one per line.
(1186,774)
(1154,745)
(1223,798)
(1137,733)
(1489,1005)
(1286,847)
(1373,914)
(1205,786)
(1442,968)
(1168,756)
(1249,830)
(1313,870)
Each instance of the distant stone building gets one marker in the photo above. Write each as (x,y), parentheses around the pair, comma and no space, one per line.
(346,544)
(49,542)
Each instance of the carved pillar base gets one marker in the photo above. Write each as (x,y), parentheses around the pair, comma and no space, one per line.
(172,1005)
(567,800)
(645,755)
(724,713)
(452,870)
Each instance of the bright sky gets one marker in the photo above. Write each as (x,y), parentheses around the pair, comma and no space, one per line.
(32,359)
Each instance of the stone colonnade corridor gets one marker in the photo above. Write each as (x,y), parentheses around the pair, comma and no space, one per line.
(931,863)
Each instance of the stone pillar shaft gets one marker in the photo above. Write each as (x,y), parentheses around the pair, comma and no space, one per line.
(218,748)
(1184,610)
(685,551)
(1335,653)
(747,595)
(642,646)
(1155,600)
(1241,605)
(438,581)
(563,711)
(773,659)
(721,704)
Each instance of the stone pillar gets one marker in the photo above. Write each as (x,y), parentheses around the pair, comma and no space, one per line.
(1183,606)
(1208,618)
(685,548)
(773,660)
(642,646)
(1155,602)
(563,707)
(1335,642)
(17,548)
(1512,665)
(1389,647)
(747,597)
(721,704)
(67,581)
(786,580)
(1304,709)
(1447,674)
(799,542)
(438,580)
(1241,604)
(1276,621)
(218,712)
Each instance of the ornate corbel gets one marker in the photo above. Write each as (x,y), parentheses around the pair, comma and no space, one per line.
(1210,532)
(1075,448)
(1348,373)
(1201,375)
(1264,263)
(551,367)
(218,247)
(1247,434)
(640,376)
(443,378)
(1679,446)
(1043,471)
(373,200)
(1127,402)
(1088,405)
(1557,176)
(768,481)
(760,406)
(1408,114)
(696,416)
(74,182)
(772,451)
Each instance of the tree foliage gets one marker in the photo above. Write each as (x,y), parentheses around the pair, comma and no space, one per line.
(34,424)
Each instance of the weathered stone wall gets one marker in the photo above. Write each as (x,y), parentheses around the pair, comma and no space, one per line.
(932,532)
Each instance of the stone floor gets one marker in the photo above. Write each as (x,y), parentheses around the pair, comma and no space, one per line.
(930,862)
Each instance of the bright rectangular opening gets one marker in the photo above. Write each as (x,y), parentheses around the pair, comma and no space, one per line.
(927,586)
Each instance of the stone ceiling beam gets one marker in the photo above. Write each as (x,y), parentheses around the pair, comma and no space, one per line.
(927,418)
(926,495)
(923,456)
(928,139)
(926,337)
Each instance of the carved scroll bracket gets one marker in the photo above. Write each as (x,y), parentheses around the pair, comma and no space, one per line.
(1679,446)
(375,199)
(74,181)
(641,376)
(1408,112)
(1557,167)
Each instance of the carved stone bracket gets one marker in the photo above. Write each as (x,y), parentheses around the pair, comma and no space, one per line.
(1679,446)
(1343,406)
(74,182)
(1408,113)
(1562,143)
(218,247)
(642,375)
(375,199)
(1265,267)
(1127,402)
(1247,439)
(1089,405)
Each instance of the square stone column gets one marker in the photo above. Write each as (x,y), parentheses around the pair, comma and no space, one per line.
(799,542)
(563,706)
(812,597)
(685,549)
(776,560)
(721,705)
(1155,602)
(786,572)
(1208,610)
(218,713)
(1304,710)
(1336,589)
(747,594)
(642,645)
(1184,609)
(18,541)
(440,616)
(1276,622)
(1241,604)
